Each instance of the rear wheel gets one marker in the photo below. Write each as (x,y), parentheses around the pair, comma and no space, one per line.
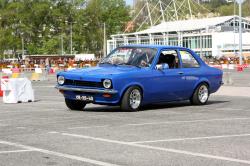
(75,104)
(201,95)
(132,99)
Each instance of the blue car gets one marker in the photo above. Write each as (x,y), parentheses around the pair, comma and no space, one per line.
(136,75)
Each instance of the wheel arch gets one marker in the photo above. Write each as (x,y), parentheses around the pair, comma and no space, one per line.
(140,86)
(202,81)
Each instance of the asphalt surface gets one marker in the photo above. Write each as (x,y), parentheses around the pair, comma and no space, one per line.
(45,132)
(235,78)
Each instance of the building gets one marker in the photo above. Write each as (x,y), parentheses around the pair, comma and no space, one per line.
(215,36)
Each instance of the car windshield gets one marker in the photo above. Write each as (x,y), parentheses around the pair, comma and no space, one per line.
(135,56)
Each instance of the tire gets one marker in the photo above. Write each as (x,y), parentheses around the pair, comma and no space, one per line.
(132,99)
(200,95)
(74,104)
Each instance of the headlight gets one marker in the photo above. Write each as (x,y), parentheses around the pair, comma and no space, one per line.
(60,80)
(107,83)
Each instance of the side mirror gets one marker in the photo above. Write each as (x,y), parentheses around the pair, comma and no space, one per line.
(162,66)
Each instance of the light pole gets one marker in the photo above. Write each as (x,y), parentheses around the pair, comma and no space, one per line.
(62,44)
(104,40)
(234,27)
(70,38)
(71,35)
(240,30)
(22,43)
(60,30)
(22,48)
(240,34)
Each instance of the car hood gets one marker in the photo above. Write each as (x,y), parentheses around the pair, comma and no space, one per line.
(99,72)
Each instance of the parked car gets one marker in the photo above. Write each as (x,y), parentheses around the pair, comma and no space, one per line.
(136,75)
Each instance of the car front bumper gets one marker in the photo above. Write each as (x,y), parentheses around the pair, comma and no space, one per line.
(99,95)
(86,90)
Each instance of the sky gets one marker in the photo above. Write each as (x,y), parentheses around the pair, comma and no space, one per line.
(129,2)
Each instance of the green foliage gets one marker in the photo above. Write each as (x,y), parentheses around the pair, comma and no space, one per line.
(246,8)
(225,9)
(41,23)
(216,3)
(114,13)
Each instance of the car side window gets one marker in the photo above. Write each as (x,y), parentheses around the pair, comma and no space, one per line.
(169,57)
(188,61)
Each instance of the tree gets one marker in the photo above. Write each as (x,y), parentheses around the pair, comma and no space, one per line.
(114,13)
(11,26)
(226,10)
(41,23)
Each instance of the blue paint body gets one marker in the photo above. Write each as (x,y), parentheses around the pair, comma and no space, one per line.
(157,85)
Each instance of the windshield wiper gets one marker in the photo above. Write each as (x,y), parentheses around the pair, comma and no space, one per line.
(129,64)
(137,66)
(124,64)
(108,63)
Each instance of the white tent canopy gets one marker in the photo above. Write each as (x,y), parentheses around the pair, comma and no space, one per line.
(184,25)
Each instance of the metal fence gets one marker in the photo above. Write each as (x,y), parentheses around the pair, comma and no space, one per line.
(29,73)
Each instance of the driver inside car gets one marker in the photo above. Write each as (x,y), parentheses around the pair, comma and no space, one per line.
(146,59)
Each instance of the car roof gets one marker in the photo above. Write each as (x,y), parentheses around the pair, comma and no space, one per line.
(159,47)
(154,46)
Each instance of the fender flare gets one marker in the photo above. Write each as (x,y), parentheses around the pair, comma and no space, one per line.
(205,80)
(123,90)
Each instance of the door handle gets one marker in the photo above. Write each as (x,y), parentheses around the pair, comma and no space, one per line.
(180,72)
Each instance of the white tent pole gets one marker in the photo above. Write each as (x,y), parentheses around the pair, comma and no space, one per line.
(176,15)
(149,14)
(136,16)
(190,9)
(162,13)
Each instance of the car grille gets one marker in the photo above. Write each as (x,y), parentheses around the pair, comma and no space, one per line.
(83,83)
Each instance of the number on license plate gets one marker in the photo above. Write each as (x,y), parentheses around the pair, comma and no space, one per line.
(84,98)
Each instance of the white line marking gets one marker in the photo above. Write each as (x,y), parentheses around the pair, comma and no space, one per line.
(52,96)
(161,149)
(21,111)
(53,132)
(72,157)
(15,151)
(3,125)
(49,86)
(186,121)
(87,127)
(21,127)
(194,138)
(48,103)
(158,123)
(229,109)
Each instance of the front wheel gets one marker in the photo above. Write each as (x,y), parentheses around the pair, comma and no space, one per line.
(132,99)
(74,104)
(201,95)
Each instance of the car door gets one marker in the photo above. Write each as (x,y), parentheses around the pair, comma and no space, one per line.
(191,69)
(168,82)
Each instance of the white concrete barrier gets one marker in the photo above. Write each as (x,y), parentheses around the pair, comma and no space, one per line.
(17,90)
(7,71)
(231,66)
(224,66)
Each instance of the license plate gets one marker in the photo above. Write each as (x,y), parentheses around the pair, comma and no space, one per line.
(84,98)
